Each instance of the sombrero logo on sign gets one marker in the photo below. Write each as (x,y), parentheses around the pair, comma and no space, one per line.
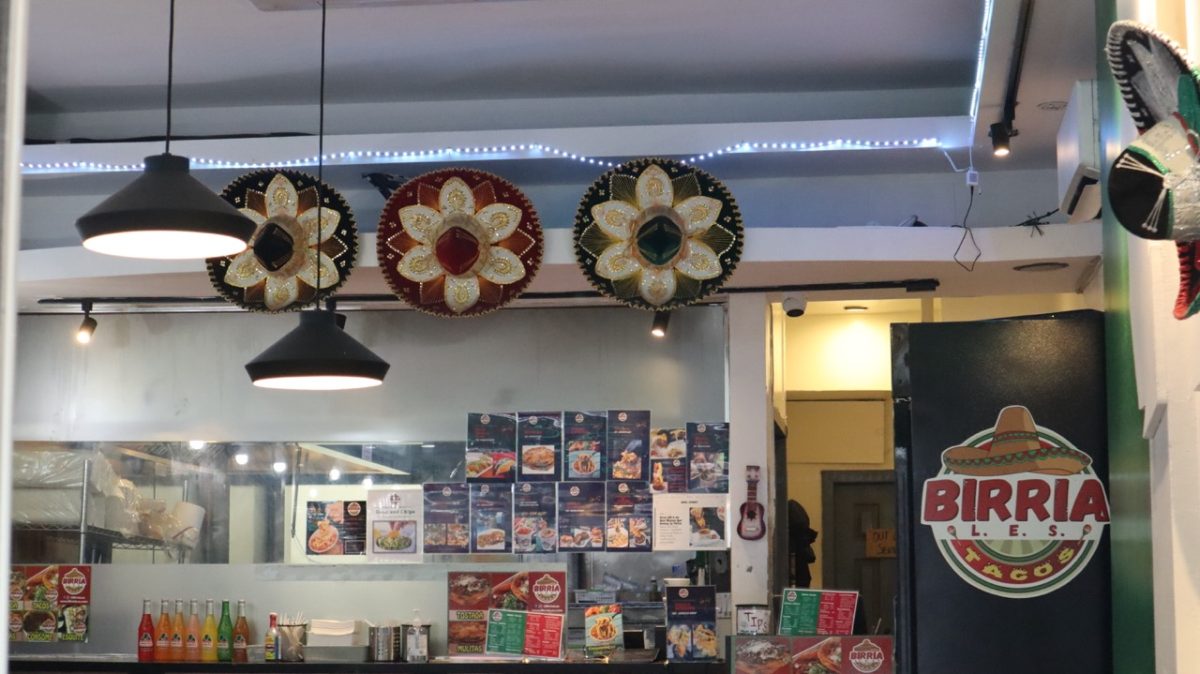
(1016,510)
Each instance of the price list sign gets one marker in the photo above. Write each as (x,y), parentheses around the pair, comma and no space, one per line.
(527,634)
(817,612)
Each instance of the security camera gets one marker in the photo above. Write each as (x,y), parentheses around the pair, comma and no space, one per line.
(794,305)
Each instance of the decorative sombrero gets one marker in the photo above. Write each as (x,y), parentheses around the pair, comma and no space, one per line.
(459,242)
(1015,447)
(279,269)
(657,234)
(1154,184)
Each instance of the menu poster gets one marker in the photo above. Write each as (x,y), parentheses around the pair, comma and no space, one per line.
(447,518)
(472,594)
(491,517)
(691,521)
(630,512)
(491,447)
(810,655)
(708,457)
(817,612)
(668,476)
(603,630)
(394,520)
(581,516)
(535,522)
(540,442)
(628,444)
(49,603)
(692,622)
(519,633)
(668,443)
(586,436)
(336,528)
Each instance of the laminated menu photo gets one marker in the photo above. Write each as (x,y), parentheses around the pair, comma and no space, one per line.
(394,522)
(691,521)
(540,443)
(535,521)
(603,630)
(447,515)
(491,517)
(491,447)
(668,460)
(581,507)
(585,435)
(628,445)
(630,514)
(471,595)
(49,603)
(336,528)
(708,457)
(692,623)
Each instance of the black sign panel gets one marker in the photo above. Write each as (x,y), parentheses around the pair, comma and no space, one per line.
(1002,469)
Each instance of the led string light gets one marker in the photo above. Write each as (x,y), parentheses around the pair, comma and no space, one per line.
(449,153)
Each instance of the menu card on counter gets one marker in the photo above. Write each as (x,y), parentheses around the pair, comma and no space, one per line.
(630,513)
(692,623)
(628,445)
(49,603)
(394,521)
(522,633)
(472,594)
(336,528)
(805,655)
(586,436)
(539,439)
(603,630)
(447,518)
(708,457)
(535,522)
(691,521)
(817,612)
(581,516)
(491,517)
(668,460)
(491,447)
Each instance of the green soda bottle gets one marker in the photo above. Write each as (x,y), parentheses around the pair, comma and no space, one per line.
(225,635)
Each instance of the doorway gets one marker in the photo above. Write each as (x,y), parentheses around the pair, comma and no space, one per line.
(860,550)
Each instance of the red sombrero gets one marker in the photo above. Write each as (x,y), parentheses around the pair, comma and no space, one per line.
(1015,447)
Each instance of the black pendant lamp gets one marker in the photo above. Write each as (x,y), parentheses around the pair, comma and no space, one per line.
(165,213)
(318,355)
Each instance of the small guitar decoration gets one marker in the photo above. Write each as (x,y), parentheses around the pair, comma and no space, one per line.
(752,525)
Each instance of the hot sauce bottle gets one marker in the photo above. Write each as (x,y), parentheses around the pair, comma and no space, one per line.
(162,634)
(145,642)
(271,639)
(178,631)
(191,648)
(208,636)
(241,634)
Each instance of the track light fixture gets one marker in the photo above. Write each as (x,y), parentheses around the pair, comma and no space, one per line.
(659,327)
(1000,133)
(87,327)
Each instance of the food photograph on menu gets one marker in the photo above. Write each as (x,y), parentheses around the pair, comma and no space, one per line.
(336,527)
(628,444)
(581,516)
(394,520)
(692,623)
(539,443)
(586,441)
(630,514)
(491,447)
(535,521)
(447,515)
(708,457)
(491,518)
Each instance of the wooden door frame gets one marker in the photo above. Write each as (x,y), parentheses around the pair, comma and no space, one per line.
(829,480)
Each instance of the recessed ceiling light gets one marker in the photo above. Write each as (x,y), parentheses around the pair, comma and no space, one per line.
(334,474)
(428,445)
(857,308)
(1041,266)
(1052,105)
(197,445)
(241,458)
(367,482)
(279,466)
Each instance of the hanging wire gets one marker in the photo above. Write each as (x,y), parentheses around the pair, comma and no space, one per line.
(320,159)
(968,232)
(170,71)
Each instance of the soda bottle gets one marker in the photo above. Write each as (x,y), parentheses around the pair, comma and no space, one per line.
(191,647)
(225,634)
(162,634)
(145,642)
(178,631)
(208,636)
(241,634)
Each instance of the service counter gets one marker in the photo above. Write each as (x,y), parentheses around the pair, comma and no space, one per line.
(115,666)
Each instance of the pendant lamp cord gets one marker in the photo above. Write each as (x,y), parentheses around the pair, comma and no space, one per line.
(320,158)
(170,71)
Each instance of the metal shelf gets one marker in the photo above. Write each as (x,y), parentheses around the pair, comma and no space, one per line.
(116,539)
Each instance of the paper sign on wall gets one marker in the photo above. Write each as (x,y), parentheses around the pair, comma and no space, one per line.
(691,521)
(394,524)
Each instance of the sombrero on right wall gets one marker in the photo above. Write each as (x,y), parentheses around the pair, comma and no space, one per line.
(1154,184)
